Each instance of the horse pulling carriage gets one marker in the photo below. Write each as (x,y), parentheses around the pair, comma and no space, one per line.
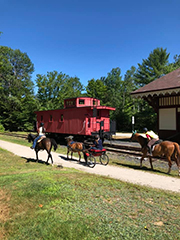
(89,154)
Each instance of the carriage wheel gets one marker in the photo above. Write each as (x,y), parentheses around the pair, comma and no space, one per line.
(104,159)
(91,161)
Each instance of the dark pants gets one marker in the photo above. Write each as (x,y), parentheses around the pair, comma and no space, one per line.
(35,140)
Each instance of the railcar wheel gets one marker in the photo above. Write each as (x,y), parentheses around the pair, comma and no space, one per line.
(91,161)
(104,159)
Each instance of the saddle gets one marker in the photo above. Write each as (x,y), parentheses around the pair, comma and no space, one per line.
(154,144)
(41,138)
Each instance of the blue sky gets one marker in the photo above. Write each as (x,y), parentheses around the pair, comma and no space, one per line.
(88,38)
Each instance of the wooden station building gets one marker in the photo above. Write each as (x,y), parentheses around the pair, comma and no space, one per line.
(163,94)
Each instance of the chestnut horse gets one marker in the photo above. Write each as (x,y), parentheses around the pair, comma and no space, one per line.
(73,146)
(44,144)
(167,149)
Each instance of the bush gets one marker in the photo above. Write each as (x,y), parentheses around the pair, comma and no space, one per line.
(2,129)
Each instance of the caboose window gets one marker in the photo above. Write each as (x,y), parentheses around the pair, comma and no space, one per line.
(62,118)
(41,118)
(89,122)
(50,118)
(81,101)
(98,114)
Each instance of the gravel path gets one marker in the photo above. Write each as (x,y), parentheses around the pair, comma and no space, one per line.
(129,175)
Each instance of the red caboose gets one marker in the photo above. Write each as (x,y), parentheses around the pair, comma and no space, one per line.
(81,116)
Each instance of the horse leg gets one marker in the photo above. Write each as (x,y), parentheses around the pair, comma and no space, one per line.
(37,160)
(67,153)
(71,154)
(49,156)
(51,159)
(79,157)
(150,160)
(141,161)
(178,164)
(143,156)
(169,163)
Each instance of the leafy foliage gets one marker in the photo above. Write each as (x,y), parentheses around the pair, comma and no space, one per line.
(155,66)
(15,88)
(97,89)
(54,87)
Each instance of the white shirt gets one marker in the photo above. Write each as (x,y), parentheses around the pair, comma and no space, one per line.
(41,131)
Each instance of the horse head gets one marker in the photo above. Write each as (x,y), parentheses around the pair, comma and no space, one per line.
(69,139)
(132,136)
(30,137)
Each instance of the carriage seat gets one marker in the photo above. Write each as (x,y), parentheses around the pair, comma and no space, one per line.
(98,150)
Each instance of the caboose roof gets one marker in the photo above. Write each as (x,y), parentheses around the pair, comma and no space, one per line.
(105,107)
(90,107)
(167,84)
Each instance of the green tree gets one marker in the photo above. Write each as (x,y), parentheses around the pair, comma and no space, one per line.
(15,86)
(155,66)
(97,89)
(113,83)
(54,87)
(176,63)
(127,108)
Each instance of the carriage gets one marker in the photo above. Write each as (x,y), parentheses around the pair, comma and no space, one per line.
(92,153)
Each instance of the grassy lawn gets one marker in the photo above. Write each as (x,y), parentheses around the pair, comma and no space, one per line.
(38,201)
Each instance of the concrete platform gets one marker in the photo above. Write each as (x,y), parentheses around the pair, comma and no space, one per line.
(120,135)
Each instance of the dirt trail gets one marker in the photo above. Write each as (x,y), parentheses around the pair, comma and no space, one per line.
(129,175)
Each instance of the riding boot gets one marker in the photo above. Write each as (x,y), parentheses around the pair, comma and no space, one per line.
(150,151)
(31,147)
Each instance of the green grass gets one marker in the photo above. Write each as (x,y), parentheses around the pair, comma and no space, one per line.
(38,201)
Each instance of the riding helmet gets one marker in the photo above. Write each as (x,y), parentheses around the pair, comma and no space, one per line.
(145,129)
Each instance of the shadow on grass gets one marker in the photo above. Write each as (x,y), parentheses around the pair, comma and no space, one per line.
(82,161)
(148,169)
(34,160)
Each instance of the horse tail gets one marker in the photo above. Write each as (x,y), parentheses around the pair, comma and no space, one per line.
(54,144)
(177,151)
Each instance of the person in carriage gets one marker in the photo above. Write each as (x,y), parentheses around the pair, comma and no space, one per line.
(152,137)
(97,145)
(41,133)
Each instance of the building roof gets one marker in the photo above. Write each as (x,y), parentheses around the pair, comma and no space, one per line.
(168,84)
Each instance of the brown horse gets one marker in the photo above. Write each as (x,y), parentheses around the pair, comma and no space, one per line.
(73,146)
(167,149)
(44,144)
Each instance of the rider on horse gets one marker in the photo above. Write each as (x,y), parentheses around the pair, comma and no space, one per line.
(41,132)
(152,137)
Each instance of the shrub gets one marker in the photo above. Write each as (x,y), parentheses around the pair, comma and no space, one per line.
(2,129)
